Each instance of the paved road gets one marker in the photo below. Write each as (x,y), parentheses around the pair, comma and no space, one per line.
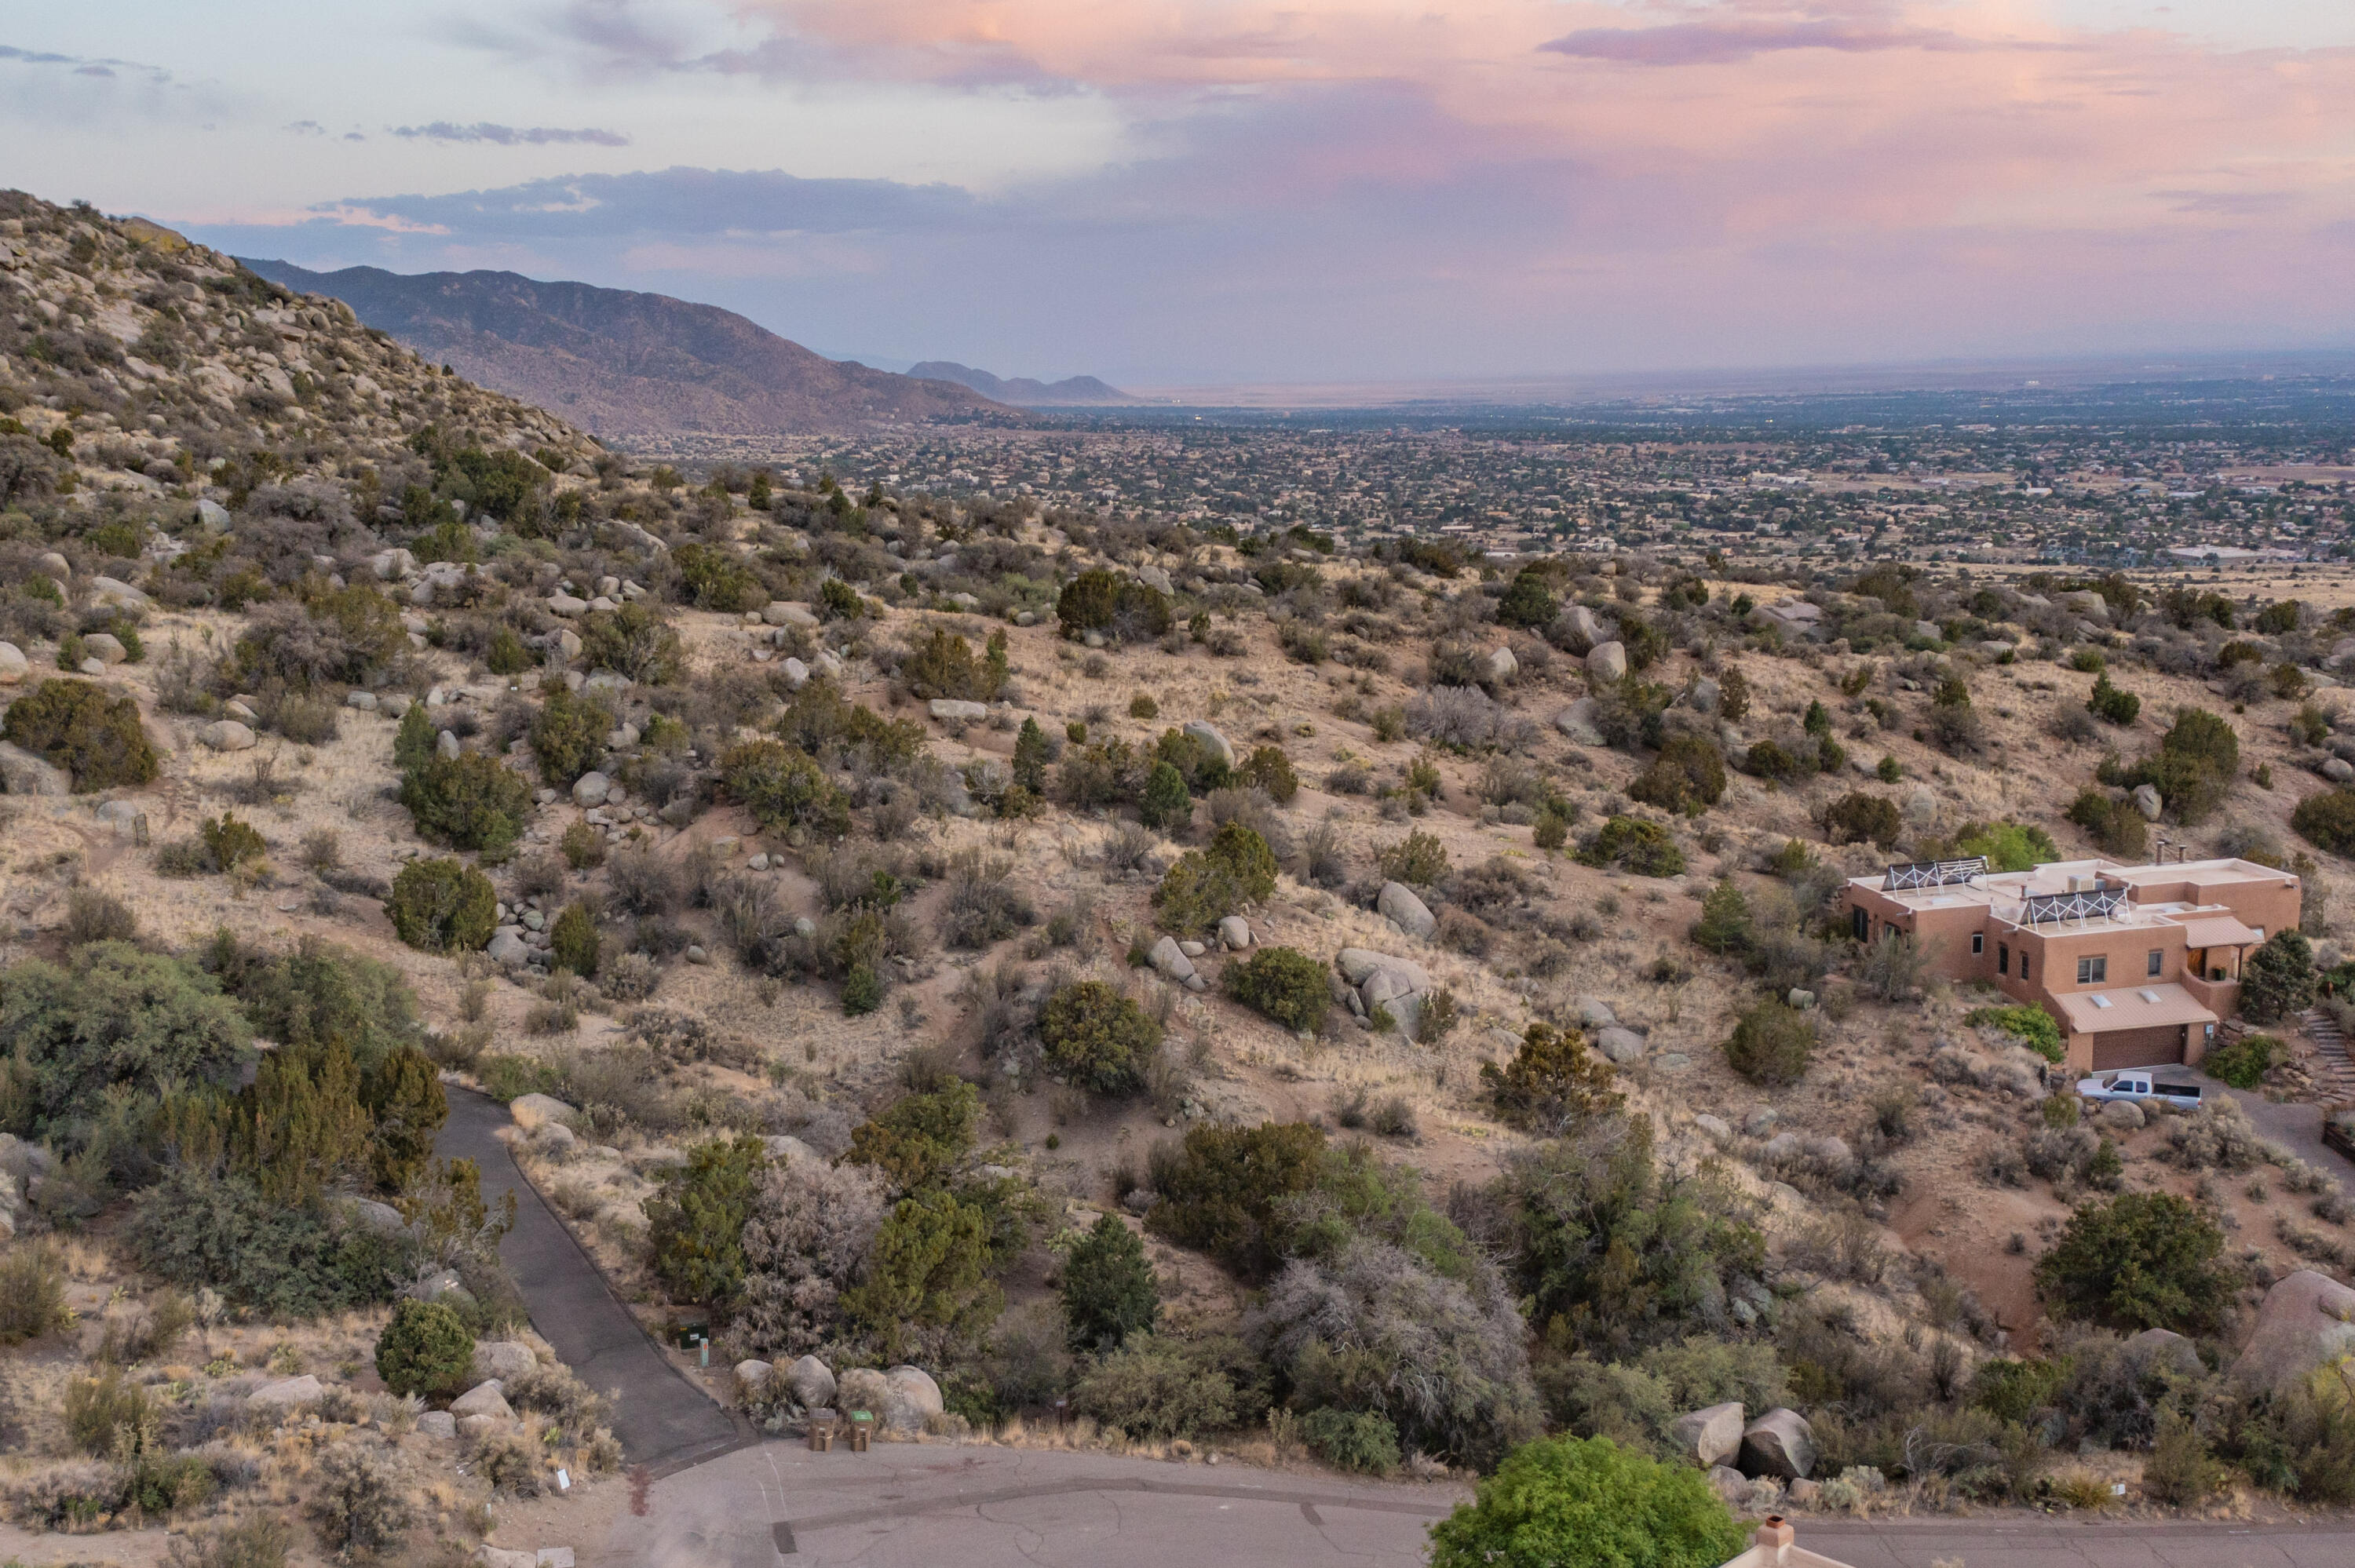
(662,1419)
(919,1505)
(2297,1125)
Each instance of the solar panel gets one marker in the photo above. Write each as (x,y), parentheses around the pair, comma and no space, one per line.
(1932,873)
(2093,905)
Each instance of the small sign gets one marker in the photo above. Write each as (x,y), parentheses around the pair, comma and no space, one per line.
(563,1480)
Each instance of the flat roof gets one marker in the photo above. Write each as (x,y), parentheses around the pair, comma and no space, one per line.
(2005,894)
(2108,1008)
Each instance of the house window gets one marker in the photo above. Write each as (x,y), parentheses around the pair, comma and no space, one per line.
(2156,961)
(2024,966)
(2093,971)
(2003,958)
(1978,943)
(1860,924)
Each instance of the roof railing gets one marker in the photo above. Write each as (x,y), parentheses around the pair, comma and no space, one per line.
(1919,874)
(2090,904)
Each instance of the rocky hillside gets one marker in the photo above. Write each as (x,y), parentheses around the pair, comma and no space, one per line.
(1365,1009)
(623,363)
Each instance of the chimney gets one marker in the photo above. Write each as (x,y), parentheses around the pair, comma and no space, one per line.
(1773,1538)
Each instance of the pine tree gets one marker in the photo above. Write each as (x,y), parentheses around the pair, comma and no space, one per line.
(1166,801)
(1108,1288)
(1030,757)
(301,1128)
(403,1095)
(1725,925)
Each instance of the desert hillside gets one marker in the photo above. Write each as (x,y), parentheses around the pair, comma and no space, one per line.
(1314,1005)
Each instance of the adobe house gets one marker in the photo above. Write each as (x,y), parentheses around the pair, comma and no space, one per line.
(1774,1545)
(2138,964)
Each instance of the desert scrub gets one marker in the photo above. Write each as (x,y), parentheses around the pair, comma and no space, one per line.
(573,941)
(1284,984)
(1419,860)
(1097,1038)
(96,738)
(425,1349)
(1687,777)
(1208,885)
(1352,1440)
(1108,1288)
(783,786)
(1552,1082)
(469,801)
(568,735)
(1772,1043)
(1646,848)
(442,905)
(2243,1063)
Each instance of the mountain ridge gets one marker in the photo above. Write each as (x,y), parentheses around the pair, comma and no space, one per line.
(626,363)
(1023,391)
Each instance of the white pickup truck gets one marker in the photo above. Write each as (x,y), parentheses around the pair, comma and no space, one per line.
(2137,1084)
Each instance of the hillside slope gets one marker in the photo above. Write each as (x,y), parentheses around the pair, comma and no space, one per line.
(1023,391)
(626,363)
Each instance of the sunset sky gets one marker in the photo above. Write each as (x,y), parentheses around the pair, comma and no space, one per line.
(1234,191)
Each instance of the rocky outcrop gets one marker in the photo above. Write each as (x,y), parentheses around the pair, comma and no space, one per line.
(1778,1443)
(1379,980)
(1214,743)
(1709,1437)
(287,1393)
(951,708)
(227,734)
(1399,905)
(531,1110)
(2308,1321)
(22,773)
(1577,723)
(1170,960)
(1607,662)
(811,1383)
(501,1361)
(486,1398)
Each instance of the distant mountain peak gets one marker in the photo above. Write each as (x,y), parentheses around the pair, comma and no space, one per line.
(625,364)
(1022,391)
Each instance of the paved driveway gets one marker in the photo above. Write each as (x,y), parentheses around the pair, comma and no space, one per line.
(924,1505)
(660,1417)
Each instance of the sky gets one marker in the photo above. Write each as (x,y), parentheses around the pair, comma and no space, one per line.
(1165,192)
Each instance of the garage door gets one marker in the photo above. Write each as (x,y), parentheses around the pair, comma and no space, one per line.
(2140,1047)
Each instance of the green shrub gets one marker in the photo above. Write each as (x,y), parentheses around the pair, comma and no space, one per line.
(1687,776)
(566,735)
(2195,764)
(1224,1191)
(1772,1043)
(2111,704)
(507,655)
(2032,1026)
(1551,830)
(1646,848)
(783,786)
(945,666)
(1568,1502)
(2325,819)
(1157,1388)
(2278,978)
(696,1222)
(862,991)
(111,1023)
(469,801)
(2008,846)
(1552,1082)
(2142,1260)
(712,578)
(425,1349)
(443,906)
(583,847)
(1272,770)
(230,844)
(193,1229)
(1418,860)
(920,1138)
(573,941)
(74,725)
(1097,1038)
(929,1269)
(1859,817)
(2116,826)
(101,1411)
(1108,1289)
(839,600)
(357,1503)
(2243,1063)
(632,639)
(1097,601)
(32,1293)
(1352,1440)
(1165,802)
(1208,885)
(1528,602)
(1725,925)
(1284,984)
